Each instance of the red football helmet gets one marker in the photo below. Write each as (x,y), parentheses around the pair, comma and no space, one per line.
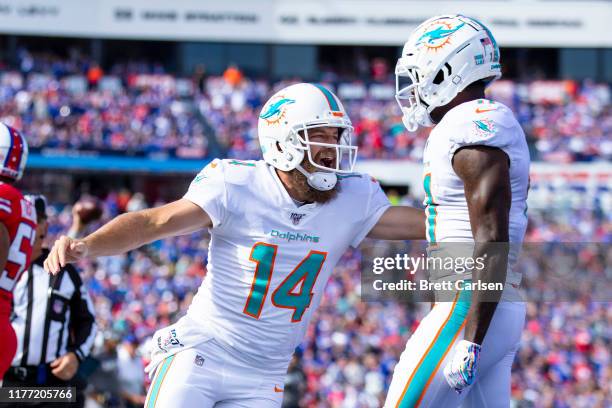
(13,152)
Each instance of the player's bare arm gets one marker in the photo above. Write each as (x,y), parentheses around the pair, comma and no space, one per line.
(485,174)
(130,231)
(400,223)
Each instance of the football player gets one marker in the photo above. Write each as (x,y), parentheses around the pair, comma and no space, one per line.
(476,171)
(278,227)
(17,234)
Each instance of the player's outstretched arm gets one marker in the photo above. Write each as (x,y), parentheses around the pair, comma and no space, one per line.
(400,223)
(485,174)
(129,231)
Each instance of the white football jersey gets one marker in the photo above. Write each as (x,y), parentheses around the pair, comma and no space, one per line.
(480,122)
(269,260)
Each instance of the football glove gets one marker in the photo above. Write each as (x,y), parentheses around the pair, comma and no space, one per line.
(460,371)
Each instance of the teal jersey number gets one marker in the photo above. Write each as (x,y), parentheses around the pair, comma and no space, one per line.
(263,255)
(431,211)
(306,273)
(287,295)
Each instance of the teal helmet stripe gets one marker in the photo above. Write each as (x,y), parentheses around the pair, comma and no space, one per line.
(333,104)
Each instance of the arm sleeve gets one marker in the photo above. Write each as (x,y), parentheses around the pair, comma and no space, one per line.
(376,207)
(8,206)
(208,191)
(82,320)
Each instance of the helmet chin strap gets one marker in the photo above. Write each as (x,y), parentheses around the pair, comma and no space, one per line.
(418,116)
(319,180)
(409,122)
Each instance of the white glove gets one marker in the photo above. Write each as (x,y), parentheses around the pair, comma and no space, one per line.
(460,372)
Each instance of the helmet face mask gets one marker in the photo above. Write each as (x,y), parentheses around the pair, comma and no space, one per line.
(414,110)
(441,58)
(345,153)
(285,130)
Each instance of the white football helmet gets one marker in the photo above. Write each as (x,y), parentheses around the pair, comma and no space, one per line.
(441,58)
(298,108)
(13,153)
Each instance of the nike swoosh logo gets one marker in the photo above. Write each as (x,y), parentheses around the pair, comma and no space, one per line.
(276,389)
(478,110)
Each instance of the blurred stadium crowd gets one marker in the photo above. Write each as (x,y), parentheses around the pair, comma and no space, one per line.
(137,108)
(352,346)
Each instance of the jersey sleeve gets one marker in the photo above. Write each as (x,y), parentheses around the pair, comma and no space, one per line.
(494,128)
(9,204)
(208,191)
(377,204)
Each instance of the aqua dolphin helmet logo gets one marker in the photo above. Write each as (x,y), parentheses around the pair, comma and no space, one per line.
(437,34)
(276,110)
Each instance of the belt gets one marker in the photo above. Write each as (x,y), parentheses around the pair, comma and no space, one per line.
(24,372)
(36,376)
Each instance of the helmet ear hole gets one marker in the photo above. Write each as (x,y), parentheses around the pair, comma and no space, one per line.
(439,78)
(288,156)
(441,74)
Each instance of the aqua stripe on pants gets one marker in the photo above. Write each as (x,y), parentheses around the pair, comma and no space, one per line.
(159,378)
(444,340)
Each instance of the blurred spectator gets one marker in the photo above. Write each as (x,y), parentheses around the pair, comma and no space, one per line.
(103,389)
(131,373)
(199,77)
(136,203)
(232,76)
(94,74)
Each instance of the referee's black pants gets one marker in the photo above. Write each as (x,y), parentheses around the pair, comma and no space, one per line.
(32,376)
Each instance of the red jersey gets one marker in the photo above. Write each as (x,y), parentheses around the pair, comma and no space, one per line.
(19,217)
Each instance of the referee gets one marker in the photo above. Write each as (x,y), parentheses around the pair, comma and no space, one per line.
(53,319)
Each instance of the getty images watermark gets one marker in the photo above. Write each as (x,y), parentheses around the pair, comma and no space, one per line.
(438,272)
(411,264)
(415,271)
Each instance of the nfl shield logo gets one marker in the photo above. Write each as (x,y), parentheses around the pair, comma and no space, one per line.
(199,360)
(296,218)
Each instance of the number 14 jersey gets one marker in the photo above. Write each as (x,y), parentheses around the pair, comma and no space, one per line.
(269,259)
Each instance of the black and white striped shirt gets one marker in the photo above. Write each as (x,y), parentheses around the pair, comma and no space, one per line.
(52,315)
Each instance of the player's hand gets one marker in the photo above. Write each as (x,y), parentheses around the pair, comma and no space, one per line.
(461,369)
(65,367)
(65,250)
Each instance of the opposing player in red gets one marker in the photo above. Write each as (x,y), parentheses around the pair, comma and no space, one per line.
(17,234)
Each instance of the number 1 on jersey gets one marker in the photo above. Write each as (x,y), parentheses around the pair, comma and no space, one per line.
(286,295)
(264,255)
